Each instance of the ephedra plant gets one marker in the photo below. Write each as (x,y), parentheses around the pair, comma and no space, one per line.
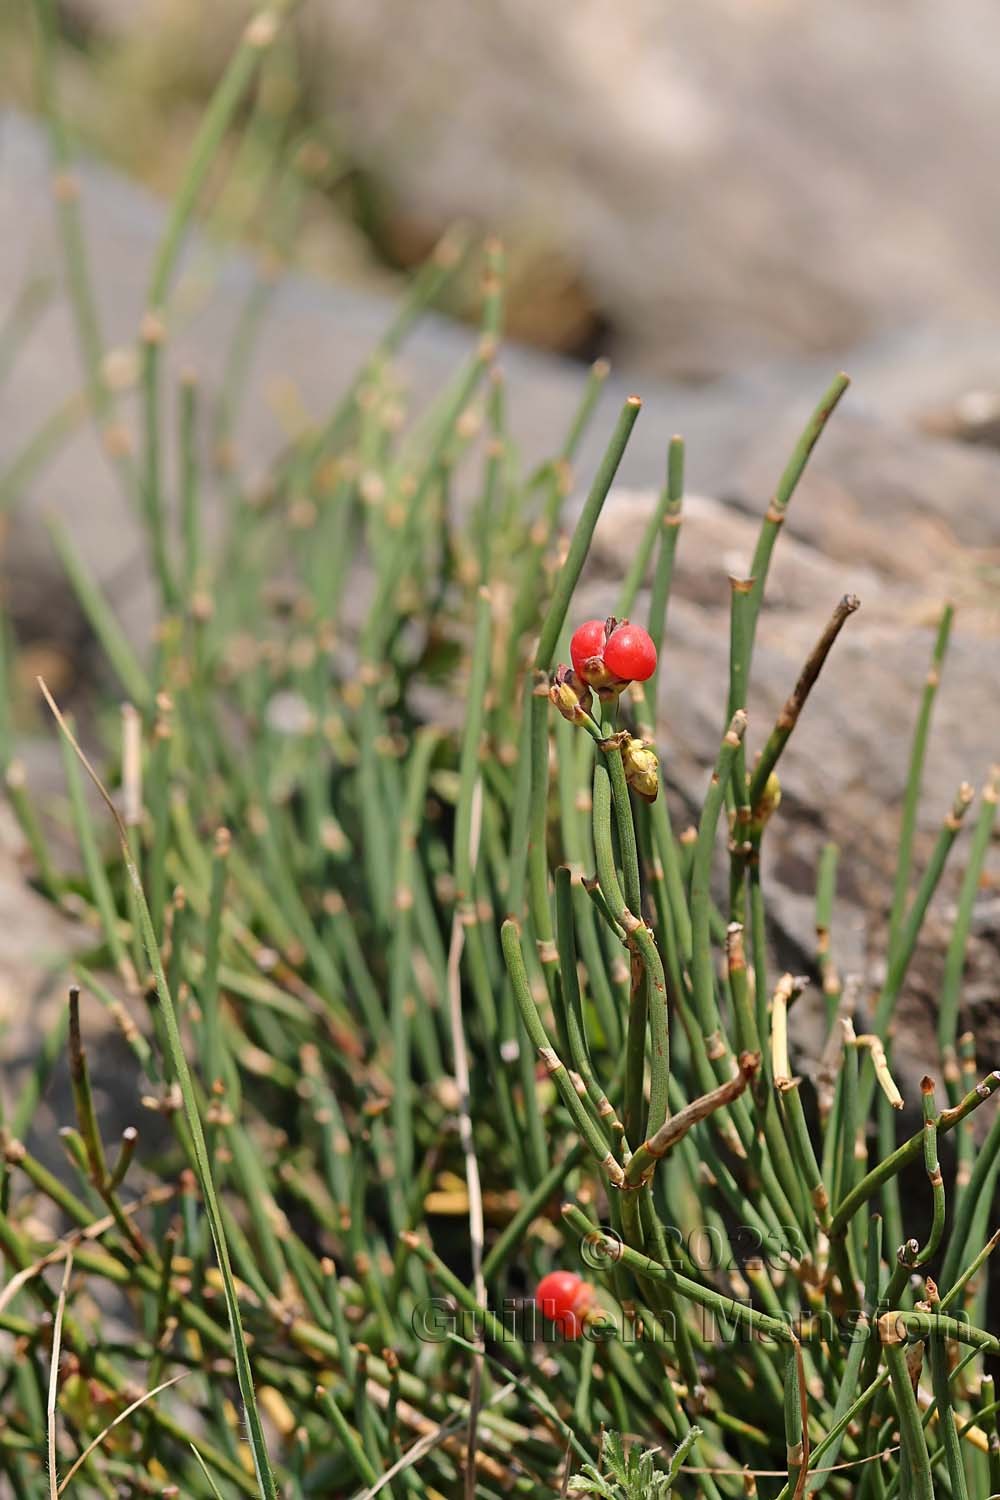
(446,1048)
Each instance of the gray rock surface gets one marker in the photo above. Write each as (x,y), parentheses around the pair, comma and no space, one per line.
(735,181)
(888,510)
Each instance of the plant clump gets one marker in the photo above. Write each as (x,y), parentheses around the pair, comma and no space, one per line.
(426,1002)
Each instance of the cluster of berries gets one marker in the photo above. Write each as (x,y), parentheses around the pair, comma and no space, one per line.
(607,655)
(566,1300)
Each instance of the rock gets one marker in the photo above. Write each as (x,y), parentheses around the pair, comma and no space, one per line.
(734,182)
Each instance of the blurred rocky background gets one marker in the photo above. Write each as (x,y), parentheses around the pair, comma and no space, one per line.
(691,188)
(688,188)
(730,199)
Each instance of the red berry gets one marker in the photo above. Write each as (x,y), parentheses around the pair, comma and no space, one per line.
(630,653)
(587,642)
(564,1299)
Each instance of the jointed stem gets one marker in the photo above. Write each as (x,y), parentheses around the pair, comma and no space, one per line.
(778,507)
(914,778)
(891,1165)
(582,1118)
(702,973)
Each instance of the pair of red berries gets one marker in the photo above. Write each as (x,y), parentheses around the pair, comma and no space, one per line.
(566,1300)
(612,651)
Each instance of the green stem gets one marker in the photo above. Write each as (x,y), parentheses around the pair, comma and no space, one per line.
(659,597)
(826,888)
(663,517)
(538,861)
(569,987)
(914,1457)
(890,1166)
(789,715)
(153,334)
(726,1308)
(911,798)
(909,931)
(202,1166)
(585,1123)
(109,633)
(947,1421)
(702,970)
(592,391)
(980,1184)
(83,1098)
(216,120)
(190,485)
(951,982)
(513,1235)
(471,749)
(776,511)
(570,571)
(912,1253)
(360,1462)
